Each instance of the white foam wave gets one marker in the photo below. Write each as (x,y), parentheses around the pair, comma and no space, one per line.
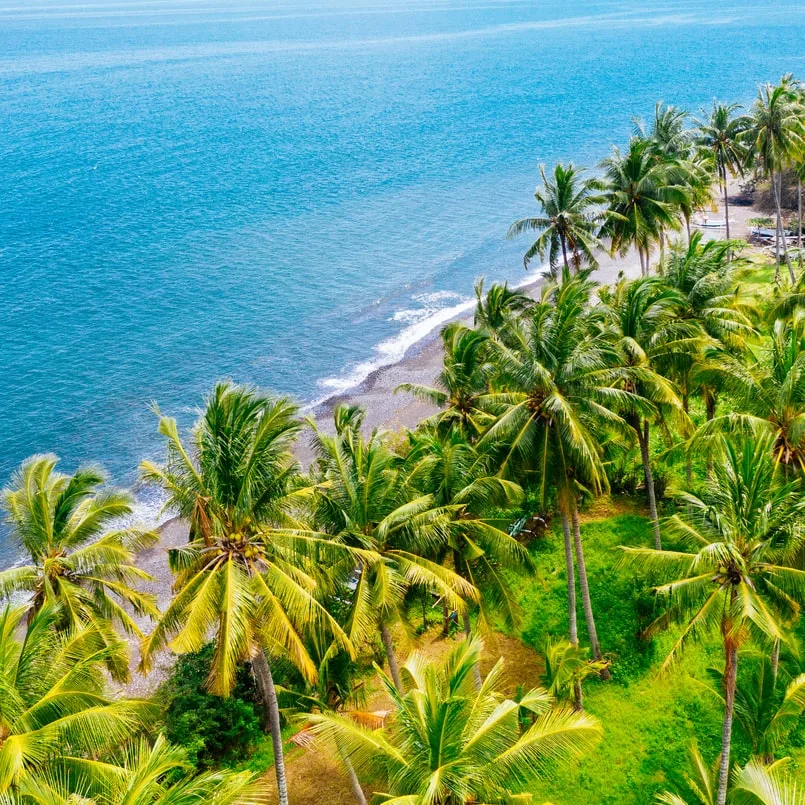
(393,349)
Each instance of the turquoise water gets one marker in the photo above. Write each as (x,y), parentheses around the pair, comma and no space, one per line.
(292,194)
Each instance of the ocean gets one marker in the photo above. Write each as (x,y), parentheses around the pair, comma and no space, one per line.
(290,195)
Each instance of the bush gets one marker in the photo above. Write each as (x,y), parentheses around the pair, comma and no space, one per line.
(212,729)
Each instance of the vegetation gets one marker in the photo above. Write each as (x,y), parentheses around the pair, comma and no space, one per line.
(297,584)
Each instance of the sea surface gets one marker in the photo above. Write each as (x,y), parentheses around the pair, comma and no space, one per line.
(292,194)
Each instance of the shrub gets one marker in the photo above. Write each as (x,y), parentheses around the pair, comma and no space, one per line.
(212,729)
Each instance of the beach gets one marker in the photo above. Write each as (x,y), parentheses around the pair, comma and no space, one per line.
(388,410)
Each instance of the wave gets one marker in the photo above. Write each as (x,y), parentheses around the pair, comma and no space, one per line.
(424,321)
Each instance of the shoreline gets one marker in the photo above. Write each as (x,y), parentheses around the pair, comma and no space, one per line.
(386,410)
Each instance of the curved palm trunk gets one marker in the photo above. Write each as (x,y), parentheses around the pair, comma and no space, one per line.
(391,656)
(360,798)
(585,591)
(570,569)
(644,439)
(730,673)
(726,202)
(268,695)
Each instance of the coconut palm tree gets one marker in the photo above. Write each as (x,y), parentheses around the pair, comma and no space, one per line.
(737,578)
(721,139)
(495,308)
(463,380)
(80,554)
(552,399)
(461,479)
(365,502)
(766,711)
(143,774)
(449,743)
(754,784)
(242,579)
(769,392)
(775,138)
(566,668)
(642,318)
(641,194)
(53,709)
(569,218)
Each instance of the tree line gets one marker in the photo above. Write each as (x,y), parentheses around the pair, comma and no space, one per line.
(536,403)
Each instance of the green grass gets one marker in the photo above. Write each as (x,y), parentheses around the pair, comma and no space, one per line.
(649,719)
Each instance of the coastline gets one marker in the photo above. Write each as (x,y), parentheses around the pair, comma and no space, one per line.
(421,363)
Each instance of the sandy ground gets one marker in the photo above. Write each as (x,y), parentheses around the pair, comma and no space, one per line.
(384,409)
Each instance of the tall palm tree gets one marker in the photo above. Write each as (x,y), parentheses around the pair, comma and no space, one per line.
(754,784)
(552,399)
(79,553)
(53,709)
(766,711)
(462,381)
(460,478)
(737,579)
(143,774)
(569,218)
(720,137)
(449,743)
(640,196)
(364,502)
(775,138)
(769,392)
(642,318)
(241,579)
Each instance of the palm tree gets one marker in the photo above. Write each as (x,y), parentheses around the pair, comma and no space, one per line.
(765,713)
(241,579)
(146,775)
(736,580)
(775,137)
(53,710)
(365,503)
(495,308)
(569,220)
(642,318)
(566,668)
(552,398)
(449,743)
(769,392)
(720,138)
(640,196)
(460,479)
(754,784)
(463,380)
(80,555)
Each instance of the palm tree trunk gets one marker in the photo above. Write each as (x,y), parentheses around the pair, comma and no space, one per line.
(730,672)
(776,227)
(687,227)
(476,671)
(564,252)
(778,190)
(585,590)
(445,620)
(353,780)
(570,569)
(391,656)
(726,202)
(268,695)
(643,438)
